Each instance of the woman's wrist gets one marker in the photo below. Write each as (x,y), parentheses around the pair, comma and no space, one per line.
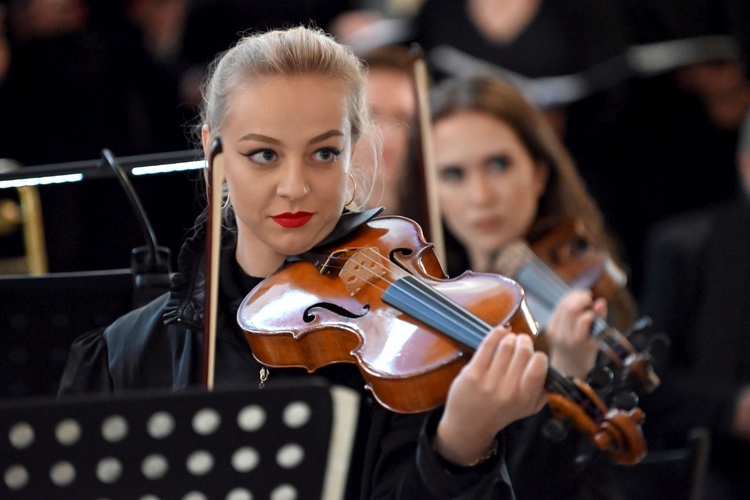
(463,451)
(453,466)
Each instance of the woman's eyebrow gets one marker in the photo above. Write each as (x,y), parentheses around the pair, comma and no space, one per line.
(271,140)
(326,135)
(260,138)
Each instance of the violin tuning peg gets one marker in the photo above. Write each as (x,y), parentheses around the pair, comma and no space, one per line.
(658,338)
(641,325)
(555,430)
(625,400)
(600,378)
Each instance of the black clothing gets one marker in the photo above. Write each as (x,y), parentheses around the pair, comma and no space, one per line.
(696,291)
(664,163)
(563,38)
(572,467)
(159,346)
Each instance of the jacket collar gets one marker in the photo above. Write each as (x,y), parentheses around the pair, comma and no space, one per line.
(185,304)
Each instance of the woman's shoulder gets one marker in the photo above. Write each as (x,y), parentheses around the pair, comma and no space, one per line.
(143,350)
(681,234)
(137,324)
(97,356)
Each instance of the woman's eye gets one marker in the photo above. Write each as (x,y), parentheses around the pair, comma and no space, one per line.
(499,163)
(451,174)
(262,155)
(327,155)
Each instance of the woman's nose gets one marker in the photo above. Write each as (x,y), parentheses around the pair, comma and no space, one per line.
(480,188)
(293,182)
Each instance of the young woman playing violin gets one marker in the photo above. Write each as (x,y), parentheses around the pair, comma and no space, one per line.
(288,107)
(501,170)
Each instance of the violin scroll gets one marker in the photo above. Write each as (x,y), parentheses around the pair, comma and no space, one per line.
(616,432)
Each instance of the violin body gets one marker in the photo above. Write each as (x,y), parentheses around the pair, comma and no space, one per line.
(316,320)
(566,247)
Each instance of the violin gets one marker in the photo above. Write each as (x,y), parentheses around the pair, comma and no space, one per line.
(379,299)
(558,256)
(564,244)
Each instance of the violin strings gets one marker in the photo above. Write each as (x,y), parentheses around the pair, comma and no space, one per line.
(521,254)
(474,328)
(507,261)
(556,381)
(460,316)
(422,291)
(541,276)
(480,326)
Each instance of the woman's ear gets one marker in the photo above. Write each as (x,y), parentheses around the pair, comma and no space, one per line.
(205,138)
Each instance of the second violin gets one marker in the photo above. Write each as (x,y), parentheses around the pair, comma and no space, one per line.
(560,256)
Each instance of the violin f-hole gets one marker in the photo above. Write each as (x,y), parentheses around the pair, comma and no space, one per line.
(309,316)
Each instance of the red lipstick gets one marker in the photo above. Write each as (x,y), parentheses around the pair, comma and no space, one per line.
(292,220)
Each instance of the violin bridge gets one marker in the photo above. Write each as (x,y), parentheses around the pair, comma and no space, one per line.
(324,269)
(362,268)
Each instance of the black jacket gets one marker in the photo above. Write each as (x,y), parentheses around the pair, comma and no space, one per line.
(159,345)
(696,291)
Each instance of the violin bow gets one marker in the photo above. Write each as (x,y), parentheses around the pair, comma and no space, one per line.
(425,162)
(214,180)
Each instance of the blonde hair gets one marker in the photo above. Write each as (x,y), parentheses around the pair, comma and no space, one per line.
(289,52)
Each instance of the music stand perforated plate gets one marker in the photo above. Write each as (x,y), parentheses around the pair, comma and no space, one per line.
(272,443)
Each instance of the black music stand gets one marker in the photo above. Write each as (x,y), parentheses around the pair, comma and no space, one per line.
(289,440)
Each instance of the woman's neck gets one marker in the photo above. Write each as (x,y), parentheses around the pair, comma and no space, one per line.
(501,21)
(258,262)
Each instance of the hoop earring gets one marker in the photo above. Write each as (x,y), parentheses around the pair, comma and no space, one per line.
(354,191)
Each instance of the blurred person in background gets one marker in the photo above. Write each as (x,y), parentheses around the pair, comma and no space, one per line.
(697,291)
(528,40)
(674,150)
(501,169)
(390,94)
